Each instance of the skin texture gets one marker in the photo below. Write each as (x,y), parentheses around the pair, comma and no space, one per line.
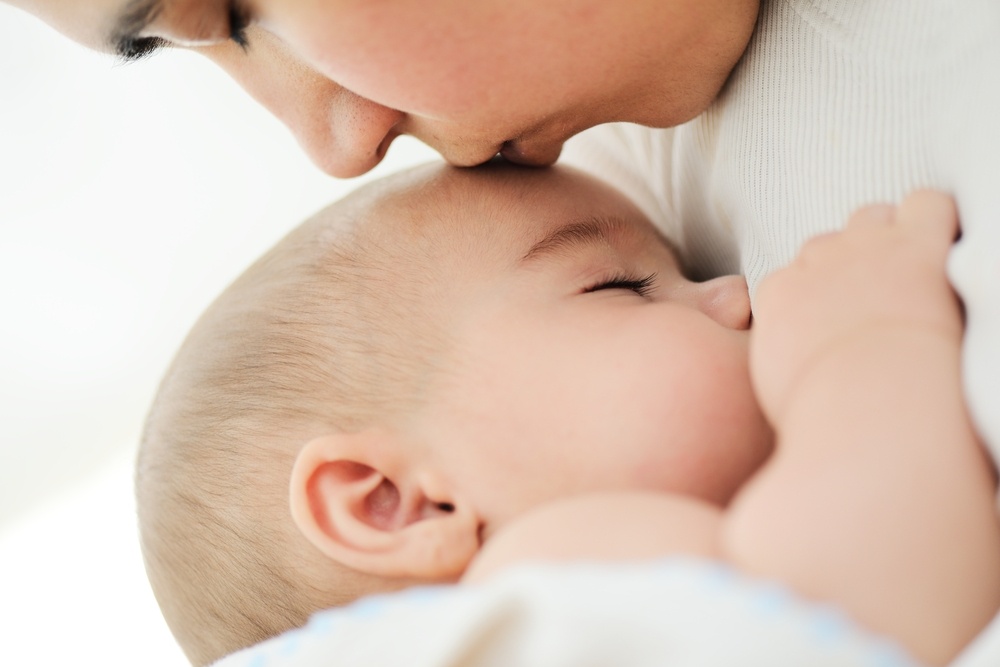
(470,79)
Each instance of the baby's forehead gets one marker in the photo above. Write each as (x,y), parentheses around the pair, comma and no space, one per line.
(499,211)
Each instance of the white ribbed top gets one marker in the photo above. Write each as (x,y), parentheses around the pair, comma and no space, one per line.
(836,104)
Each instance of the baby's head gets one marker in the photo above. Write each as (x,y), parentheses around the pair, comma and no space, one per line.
(416,366)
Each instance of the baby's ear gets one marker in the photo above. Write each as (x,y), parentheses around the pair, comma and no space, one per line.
(360,501)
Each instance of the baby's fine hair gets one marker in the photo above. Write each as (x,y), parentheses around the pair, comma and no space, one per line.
(327,332)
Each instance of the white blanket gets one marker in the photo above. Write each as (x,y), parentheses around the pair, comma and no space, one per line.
(676,612)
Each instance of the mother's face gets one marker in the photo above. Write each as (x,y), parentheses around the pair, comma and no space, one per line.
(471,78)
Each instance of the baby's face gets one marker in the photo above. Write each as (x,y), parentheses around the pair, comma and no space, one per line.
(584,360)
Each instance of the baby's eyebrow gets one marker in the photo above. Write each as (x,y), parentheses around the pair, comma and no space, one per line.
(576,235)
(133,18)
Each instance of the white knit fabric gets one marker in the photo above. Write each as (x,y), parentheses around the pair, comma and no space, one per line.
(671,613)
(836,104)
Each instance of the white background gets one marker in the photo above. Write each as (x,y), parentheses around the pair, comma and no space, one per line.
(130,195)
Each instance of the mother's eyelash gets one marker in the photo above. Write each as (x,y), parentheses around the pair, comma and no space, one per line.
(641,286)
(239,21)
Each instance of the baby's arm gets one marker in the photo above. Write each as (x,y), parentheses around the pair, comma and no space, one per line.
(879,497)
(603,526)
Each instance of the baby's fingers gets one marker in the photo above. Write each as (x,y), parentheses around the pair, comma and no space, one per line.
(931,214)
(875,215)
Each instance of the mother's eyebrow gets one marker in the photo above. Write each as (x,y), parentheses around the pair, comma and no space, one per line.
(133,18)
(578,234)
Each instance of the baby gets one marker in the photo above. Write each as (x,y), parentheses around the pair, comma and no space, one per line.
(444,372)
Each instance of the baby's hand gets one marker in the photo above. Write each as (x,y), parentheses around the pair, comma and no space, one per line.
(885,270)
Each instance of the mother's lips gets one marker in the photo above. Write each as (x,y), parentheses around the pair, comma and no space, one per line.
(514,151)
(535,156)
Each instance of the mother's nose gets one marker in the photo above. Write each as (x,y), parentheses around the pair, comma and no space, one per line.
(344,134)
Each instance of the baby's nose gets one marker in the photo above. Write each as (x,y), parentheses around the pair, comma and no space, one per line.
(726,300)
